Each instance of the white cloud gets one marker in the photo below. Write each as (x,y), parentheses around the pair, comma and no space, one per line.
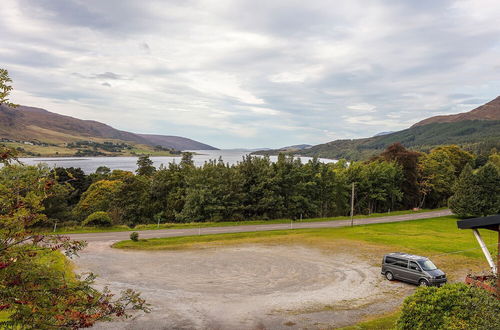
(362,107)
(252,73)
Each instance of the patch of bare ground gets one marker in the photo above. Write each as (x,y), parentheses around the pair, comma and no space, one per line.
(251,286)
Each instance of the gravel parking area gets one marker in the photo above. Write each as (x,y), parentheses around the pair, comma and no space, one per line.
(245,287)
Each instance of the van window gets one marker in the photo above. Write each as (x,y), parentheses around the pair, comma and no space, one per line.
(414,266)
(390,260)
(401,263)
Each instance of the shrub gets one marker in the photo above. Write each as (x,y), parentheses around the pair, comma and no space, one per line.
(134,236)
(454,306)
(98,218)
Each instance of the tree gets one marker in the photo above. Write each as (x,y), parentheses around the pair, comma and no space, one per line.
(453,306)
(75,179)
(98,218)
(213,194)
(476,194)
(145,166)
(5,88)
(458,157)
(465,201)
(408,161)
(130,201)
(488,182)
(436,175)
(35,293)
(97,198)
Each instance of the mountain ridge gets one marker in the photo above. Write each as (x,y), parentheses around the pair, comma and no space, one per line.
(487,111)
(27,124)
(470,129)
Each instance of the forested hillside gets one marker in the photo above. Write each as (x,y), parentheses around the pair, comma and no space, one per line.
(477,130)
(473,135)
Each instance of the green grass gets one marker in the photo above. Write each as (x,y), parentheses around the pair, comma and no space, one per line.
(386,321)
(433,237)
(82,230)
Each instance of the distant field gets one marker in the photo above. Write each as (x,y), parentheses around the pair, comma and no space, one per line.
(82,230)
(60,150)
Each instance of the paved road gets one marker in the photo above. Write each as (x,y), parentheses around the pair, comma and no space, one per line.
(118,236)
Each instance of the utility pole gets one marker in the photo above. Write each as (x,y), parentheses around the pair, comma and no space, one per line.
(352,205)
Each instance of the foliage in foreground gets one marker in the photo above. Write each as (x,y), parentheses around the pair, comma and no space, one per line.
(454,306)
(35,293)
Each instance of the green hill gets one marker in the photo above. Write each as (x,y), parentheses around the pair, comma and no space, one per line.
(471,134)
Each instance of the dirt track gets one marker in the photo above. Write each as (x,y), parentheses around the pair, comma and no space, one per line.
(245,287)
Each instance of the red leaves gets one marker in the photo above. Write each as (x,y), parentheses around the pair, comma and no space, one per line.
(49,184)
(2,307)
(4,265)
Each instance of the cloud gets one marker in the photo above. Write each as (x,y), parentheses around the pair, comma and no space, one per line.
(241,73)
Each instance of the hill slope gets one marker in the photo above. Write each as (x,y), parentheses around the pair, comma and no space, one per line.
(29,125)
(469,133)
(488,111)
(478,128)
(176,142)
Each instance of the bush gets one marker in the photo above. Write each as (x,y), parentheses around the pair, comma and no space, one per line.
(134,236)
(454,306)
(98,218)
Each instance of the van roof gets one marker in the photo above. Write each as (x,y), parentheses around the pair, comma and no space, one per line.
(406,256)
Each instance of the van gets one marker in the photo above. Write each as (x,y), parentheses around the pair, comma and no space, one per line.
(413,269)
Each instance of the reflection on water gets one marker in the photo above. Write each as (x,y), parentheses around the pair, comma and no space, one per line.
(90,164)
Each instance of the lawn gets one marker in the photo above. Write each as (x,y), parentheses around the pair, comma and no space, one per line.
(434,235)
(82,230)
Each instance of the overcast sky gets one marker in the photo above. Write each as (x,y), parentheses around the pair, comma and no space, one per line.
(256,73)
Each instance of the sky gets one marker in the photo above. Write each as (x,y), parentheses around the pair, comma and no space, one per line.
(252,73)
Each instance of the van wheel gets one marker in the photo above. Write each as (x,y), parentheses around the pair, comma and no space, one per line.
(389,276)
(423,283)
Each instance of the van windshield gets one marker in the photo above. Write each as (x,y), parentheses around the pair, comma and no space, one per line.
(427,265)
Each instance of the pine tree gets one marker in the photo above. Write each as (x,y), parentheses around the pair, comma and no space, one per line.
(488,180)
(466,199)
(145,166)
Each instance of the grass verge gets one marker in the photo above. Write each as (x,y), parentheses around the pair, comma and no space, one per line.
(385,321)
(83,230)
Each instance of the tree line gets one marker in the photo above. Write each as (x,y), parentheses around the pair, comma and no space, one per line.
(258,189)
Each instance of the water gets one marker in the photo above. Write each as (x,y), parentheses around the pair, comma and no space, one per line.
(90,164)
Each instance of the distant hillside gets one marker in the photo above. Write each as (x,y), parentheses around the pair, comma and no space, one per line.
(289,149)
(467,133)
(30,123)
(488,111)
(476,129)
(33,129)
(383,133)
(298,146)
(176,142)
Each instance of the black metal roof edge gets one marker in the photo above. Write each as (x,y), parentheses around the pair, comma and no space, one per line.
(482,222)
